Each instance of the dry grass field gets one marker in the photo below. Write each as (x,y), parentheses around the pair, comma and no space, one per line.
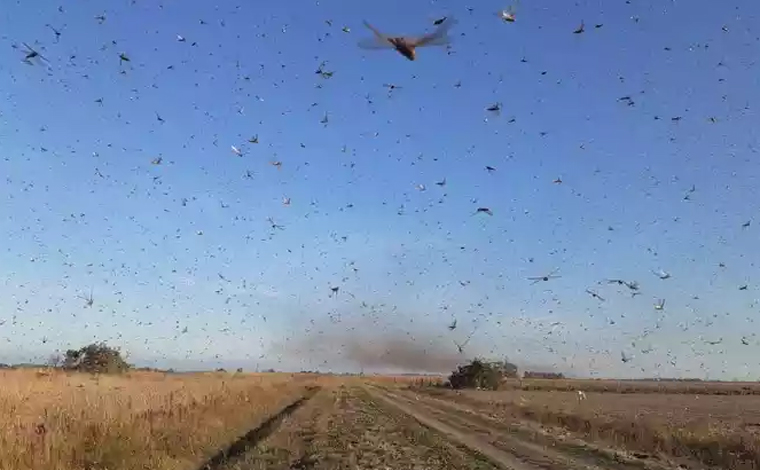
(72,421)
(719,427)
(54,420)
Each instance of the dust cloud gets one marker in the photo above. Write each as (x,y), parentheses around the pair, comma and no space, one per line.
(403,353)
(374,350)
(391,342)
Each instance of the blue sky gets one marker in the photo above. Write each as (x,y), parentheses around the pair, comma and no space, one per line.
(186,270)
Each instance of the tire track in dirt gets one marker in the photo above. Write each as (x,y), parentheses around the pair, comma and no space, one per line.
(487,434)
(363,434)
(594,453)
(253,437)
(497,456)
(343,428)
(296,442)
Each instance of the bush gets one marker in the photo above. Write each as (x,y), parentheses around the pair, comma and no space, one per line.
(96,358)
(481,374)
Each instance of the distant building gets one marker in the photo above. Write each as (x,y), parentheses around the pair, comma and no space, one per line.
(530,374)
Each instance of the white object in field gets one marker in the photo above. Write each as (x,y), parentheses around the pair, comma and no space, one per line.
(581,395)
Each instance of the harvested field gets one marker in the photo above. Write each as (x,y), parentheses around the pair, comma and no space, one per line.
(716,430)
(682,387)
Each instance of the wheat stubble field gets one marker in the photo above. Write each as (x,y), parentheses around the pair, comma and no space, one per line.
(54,420)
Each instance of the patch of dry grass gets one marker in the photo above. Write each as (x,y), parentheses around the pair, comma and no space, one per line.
(404,380)
(54,420)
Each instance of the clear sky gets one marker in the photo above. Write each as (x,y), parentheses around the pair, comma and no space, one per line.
(185,269)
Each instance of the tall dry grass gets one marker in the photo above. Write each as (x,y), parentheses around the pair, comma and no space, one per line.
(54,420)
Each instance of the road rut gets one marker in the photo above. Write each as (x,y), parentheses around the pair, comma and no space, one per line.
(502,444)
(495,455)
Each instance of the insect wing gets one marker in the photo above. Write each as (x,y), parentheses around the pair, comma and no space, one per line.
(438,37)
(422,42)
(375,43)
(376,32)
(379,41)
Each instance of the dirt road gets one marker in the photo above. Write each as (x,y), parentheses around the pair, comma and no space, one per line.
(427,417)
(510,445)
(376,428)
(347,428)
